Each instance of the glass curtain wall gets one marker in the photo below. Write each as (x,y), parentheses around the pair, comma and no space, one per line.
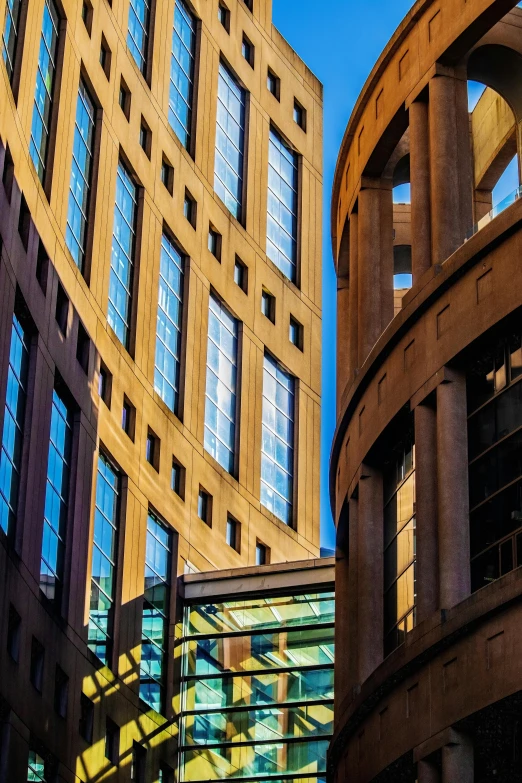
(43,98)
(257,688)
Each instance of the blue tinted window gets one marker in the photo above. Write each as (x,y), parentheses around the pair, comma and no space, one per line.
(168,329)
(81,172)
(138,34)
(122,256)
(281,242)
(230,142)
(56,499)
(12,437)
(182,71)
(104,552)
(220,404)
(43,98)
(10,35)
(277,450)
(155,621)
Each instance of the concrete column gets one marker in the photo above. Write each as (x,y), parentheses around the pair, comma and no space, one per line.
(483,203)
(369,573)
(343,336)
(426,511)
(457,762)
(420,189)
(450,166)
(453,500)
(427,773)
(386,256)
(354,294)
(343,628)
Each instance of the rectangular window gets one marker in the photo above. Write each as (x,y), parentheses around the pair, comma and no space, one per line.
(221,400)
(112,741)
(56,500)
(262,554)
(277,451)
(233,533)
(155,624)
(138,34)
(13,433)
(43,98)
(37,664)
(281,243)
(123,255)
(86,723)
(104,557)
(168,328)
(230,142)
(37,769)
(182,72)
(10,35)
(81,177)
(205,507)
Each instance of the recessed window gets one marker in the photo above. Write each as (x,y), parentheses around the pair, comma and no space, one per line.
(152,449)
(61,692)
(139,763)
(262,554)
(145,137)
(37,664)
(128,418)
(299,115)
(124,98)
(14,629)
(87,15)
(190,208)
(138,32)
(167,175)
(248,50)
(249,4)
(86,724)
(105,57)
(205,507)
(62,309)
(273,84)
(166,774)
(182,67)
(241,274)
(8,173)
(105,385)
(268,303)
(24,222)
(214,242)
(112,741)
(177,481)
(42,266)
(224,16)
(83,347)
(230,142)
(296,333)
(233,533)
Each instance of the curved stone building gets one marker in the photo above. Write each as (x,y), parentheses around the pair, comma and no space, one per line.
(160,290)
(426,469)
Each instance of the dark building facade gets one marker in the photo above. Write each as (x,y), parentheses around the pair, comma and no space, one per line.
(426,468)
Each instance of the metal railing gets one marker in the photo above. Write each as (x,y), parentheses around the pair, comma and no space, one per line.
(492,214)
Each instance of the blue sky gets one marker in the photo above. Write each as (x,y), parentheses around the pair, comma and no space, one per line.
(340,44)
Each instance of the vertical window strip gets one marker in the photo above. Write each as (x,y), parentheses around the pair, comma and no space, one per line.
(43,98)
(122,256)
(155,621)
(220,396)
(104,554)
(35,767)
(56,499)
(230,142)
(182,72)
(10,35)
(138,33)
(168,329)
(277,451)
(81,173)
(282,206)
(13,430)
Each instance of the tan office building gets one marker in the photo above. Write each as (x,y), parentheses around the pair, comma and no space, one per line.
(160,327)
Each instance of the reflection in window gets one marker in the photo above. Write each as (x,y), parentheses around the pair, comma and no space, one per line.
(122,256)
(81,172)
(168,328)
(138,34)
(43,98)
(10,35)
(495,456)
(281,243)
(230,142)
(277,451)
(399,547)
(221,389)
(182,72)
(36,768)
(56,500)
(155,621)
(104,553)
(13,433)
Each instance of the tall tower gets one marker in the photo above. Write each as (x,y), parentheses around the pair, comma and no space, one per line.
(160,281)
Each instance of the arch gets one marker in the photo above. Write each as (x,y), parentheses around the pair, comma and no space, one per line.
(500,68)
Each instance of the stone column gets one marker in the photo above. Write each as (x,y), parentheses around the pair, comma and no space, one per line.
(453,499)
(427,773)
(343,626)
(343,336)
(354,294)
(420,189)
(426,511)
(386,254)
(369,572)
(457,762)
(450,166)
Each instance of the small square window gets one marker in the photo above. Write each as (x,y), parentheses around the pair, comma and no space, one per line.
(241,274)
(214,242)
(262,554)
(273,84)
(190,208)
(86,725)
(105,57)
(268,305)
(296,333)
(178,478)
(83,347)
(37,664)
(205,507)
(299,115)
(248,50)
(224,16)
(14,630)
(233,533)
(62,309)
(112,741)
(152,450)
(105,385)
(145,138)
(124,98)
(42,266)
(167,175)
(87,15)
(61,692)
(128,418)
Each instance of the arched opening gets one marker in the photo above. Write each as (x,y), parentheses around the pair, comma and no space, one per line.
(401,191)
